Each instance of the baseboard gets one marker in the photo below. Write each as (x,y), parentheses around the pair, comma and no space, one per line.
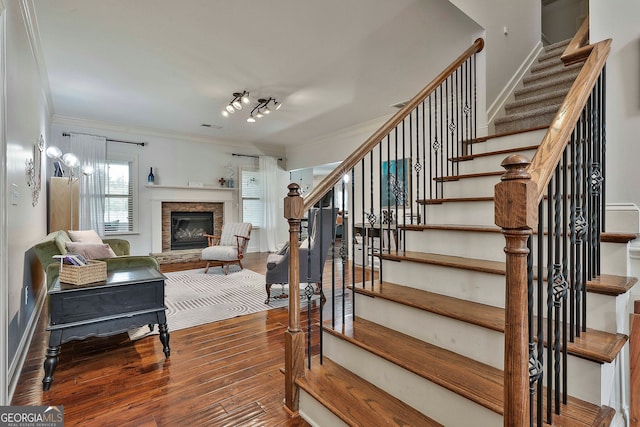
(498,104)
(15,369)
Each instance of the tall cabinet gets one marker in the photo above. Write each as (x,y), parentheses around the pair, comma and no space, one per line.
(63,204)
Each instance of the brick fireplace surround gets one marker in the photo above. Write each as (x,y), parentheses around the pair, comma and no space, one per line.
(202,199)
(216,208)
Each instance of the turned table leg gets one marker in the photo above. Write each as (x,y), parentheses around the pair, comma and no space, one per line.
(164,338)
(50,364)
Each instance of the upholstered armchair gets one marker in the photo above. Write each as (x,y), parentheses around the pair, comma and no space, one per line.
(229,247)
(313,253)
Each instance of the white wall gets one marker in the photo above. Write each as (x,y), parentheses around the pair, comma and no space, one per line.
(617,19)
(176,160)
(27,118)
(504,53)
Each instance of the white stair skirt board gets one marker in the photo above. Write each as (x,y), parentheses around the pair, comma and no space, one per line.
(316,414)
(585,378)
(485,288)
(440,404)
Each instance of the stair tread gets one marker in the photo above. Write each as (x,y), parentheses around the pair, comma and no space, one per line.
(353,399)
(476,381)
(557,93)
(486,138)
(607,284)
(494,153)
(469,175)
(598,346)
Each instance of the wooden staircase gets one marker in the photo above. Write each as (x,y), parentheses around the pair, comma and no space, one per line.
(426,344)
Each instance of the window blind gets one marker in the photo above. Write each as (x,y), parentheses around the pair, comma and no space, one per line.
(118,213)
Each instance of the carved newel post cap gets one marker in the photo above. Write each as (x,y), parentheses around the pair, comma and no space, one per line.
(294,189)
(516,165)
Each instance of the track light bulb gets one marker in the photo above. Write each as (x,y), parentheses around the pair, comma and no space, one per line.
(277,104)
(266,110)
(237,104)
(230,109)
(250,119)
(225,113)
(245,98)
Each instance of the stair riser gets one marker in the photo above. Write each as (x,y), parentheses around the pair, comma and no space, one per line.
(314,413)
(440,404)
(458,213)
(475,286)
(541,89)
(517,140)
(478,343)
(488,289)
(550,73)
(532,122)
(471,187)
(489,163)
(489,246)
(522,108)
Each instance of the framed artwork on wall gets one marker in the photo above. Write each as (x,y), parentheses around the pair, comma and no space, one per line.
(396,176)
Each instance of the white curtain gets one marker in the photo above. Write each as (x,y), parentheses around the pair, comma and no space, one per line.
(91,151)
(269,176)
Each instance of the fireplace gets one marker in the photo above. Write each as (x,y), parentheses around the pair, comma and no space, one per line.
(189,229)
(185,223)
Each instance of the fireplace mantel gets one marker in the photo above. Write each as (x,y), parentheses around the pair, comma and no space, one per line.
(175,193)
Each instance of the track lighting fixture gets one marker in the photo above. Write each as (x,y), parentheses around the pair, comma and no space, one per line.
(264,106)
(236,103)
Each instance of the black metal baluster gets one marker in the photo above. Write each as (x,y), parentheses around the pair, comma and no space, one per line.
(535,368)
(371,218)
(344,239)
(540,307)
(353,247)
(550,301)
(572,253)
(309,294)
(365,242)
(603,143)
(565,271)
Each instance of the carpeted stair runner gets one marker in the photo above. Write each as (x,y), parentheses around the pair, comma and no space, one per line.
(541,93)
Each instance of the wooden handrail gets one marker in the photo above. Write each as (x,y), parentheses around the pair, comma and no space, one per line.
(352,160)
(557,137)
(579,47)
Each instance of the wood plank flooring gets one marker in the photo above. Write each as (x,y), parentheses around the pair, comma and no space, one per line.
(225,373)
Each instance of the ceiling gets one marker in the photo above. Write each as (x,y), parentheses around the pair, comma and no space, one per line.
(173,65)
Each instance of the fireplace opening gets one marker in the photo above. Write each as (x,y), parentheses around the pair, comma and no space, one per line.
(188,229)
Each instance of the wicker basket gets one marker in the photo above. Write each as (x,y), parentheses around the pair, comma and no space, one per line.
(96,271)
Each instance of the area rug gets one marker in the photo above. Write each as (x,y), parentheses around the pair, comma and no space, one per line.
(195,298)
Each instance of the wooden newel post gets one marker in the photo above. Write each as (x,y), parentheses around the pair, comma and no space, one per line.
(294,337)
(516,212)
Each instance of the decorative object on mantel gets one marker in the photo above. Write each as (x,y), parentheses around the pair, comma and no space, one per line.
(151,179)
(230,174)
(33,169)
(222,181)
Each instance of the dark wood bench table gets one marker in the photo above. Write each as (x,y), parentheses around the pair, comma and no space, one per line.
(125,300)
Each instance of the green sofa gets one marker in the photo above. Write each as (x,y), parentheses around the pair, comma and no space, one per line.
(55,244)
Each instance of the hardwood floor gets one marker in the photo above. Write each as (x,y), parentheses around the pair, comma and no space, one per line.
(225,373)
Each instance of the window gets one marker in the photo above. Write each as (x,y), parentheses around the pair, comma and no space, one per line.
(119,196)
(252,210)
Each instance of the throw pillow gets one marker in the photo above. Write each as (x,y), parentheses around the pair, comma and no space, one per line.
(91,250)
(85,236)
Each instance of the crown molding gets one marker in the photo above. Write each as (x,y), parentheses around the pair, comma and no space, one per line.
(144,132)
(31,26)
